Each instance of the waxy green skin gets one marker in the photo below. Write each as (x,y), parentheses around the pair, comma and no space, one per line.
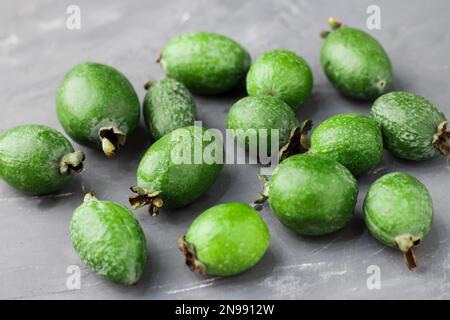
(110,240)
(30,157)
(92,96)
(355,63)
(179,184)
(168,105)
(207,63)
(228,238)
(312,195)
(353,140)
(262,112)
(397,204)
(282,74)
(408,123)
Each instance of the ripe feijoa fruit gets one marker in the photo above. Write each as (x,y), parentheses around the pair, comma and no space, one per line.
(354,62)
(399,212)
(168,105)
(413,128)
(207,63)
(282,74)
(97,105)
(225,240)
(109,239)
(37,159)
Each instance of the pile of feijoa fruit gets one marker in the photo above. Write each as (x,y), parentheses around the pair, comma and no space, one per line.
(313,191)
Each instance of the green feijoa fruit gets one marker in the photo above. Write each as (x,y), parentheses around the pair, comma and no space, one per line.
(398,212)
(168,105)
(97,105)
(178,168)
(353,140)
(413,128)
(37,159)
(224,240)
(206,63)
(282,74)
(354,62)
(312,195)
(109,239)
(251,114)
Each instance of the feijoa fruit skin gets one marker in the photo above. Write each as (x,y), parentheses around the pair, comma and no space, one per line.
(398,212)
(413,128)
(97,106)
(109,239)
(312,195)
(207,63)
(161,179)
(353,140)
(168,105)
(224,240)
(282,74)
(355,63)
(37,159)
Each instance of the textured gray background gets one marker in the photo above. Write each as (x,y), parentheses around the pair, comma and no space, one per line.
(36,49)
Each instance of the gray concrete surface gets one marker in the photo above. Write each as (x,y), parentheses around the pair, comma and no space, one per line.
(36,49)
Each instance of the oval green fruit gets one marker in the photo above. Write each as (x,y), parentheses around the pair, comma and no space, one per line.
(97,105)
(413,128)
(168,105)
(355,63)
(224,240)
(312,195)
(353,140)
(109,239)
(282,74)
(398,212)
(175,170)
(207,63)
(37,159)
(251,114)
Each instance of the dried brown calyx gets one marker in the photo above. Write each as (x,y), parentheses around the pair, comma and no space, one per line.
(264,194)
(334,24)
(148,84)
(89,196)
(441,138)
(72,162)
(298,141)
(191,257)
(406,243)
(112,139)
(144,197)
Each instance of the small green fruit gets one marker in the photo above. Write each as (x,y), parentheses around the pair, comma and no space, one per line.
(224,240)
(109,239)
(399,212)
(282,74)
(37,159)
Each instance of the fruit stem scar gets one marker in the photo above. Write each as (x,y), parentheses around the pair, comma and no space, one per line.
(112,139)
(405,243)
(334,23)
(89,197)
(298,141)
(72,162)
(441,139)
(191,256)
(264,195)
(324,33)
(145,197)
(148,84)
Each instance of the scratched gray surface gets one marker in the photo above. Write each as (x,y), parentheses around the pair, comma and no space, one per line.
(36,49)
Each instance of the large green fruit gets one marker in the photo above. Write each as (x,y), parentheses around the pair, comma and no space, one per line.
(413,128)
(399,212)
(97,105)
(207,63)
(37,159)
(109,239)
(353,140)
(355,63)
(282,74)
(175,171)
(312,195)
(224,240)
